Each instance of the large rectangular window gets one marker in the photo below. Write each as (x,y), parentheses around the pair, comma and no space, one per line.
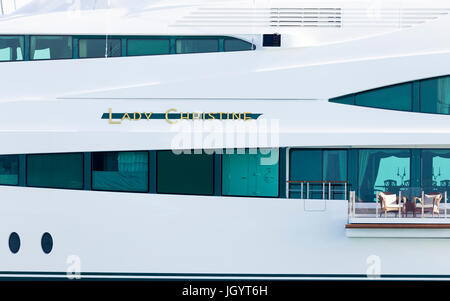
(50,47)
(185,173)
(251,173)
(96,48)
(435,169)
(382,170)
(120,171)
(435,95)
(314,167)
(9,170)
(55,170)
(398,97)
(11,48)
(197,45)
(148,46)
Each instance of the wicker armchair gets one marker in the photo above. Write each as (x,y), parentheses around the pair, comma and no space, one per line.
(430,203)
(389,202)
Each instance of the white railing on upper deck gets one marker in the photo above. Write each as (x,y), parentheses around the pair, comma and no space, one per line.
(407,209)
(318,189)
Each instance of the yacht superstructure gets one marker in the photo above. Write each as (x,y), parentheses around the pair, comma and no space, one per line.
(226,140)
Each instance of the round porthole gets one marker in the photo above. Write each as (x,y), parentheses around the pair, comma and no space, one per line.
(47,243)
(14,242)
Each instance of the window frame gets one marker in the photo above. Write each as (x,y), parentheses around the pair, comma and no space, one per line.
(18,171)
(124,191)
(148,38)
(252,196)
(50,59)
(24,47)
(197,38)
(49,187)
(187,194)
(96,37)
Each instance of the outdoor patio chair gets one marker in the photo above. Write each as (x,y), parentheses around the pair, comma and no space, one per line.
(430,203)
(389,202)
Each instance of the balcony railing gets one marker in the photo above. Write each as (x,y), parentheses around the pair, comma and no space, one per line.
(318,189)
(413,203)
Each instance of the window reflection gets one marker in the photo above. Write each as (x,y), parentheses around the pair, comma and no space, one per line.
(11,48)
(436,170)
(382,171)
(50,47)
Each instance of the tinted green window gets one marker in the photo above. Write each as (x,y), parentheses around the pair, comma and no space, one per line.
(435,95)
(251,173)
(120,171)
(9,170)
(436,170)
(185,173)
(50,47)
(148,46)
(348,99)
(197,45)
(236,45)
(11,48)
(55,170)
(95,48)
(382,170)
(397,97)
(317,166)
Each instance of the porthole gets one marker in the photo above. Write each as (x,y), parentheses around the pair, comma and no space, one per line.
(14,242)
(47,243)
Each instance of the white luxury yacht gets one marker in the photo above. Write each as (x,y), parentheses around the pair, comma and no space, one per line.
(228,139)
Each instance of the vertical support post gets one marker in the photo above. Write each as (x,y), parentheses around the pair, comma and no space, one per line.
(345,192)
(354,203)
(376,207)
(329,190)
(399,203)
(423,202)
(301,191)
(307,190)
(323,191)
(445,204)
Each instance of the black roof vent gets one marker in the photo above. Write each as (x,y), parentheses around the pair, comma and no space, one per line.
(271,40)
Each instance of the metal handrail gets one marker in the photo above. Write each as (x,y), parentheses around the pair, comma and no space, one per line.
(331,188)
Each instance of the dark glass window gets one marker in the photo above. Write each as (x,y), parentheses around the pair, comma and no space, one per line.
(185,173)
(95,48)
(120,171)
(397,97)
(50,47)
(11,48)
(9,170)
(148,46)
(436,170)
(197,45)
(55,170)
(251,173)
(317,166)
(435,95)
(236,45)
(382,170)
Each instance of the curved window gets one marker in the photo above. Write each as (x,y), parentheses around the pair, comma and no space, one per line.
(237,45)
(426,96)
